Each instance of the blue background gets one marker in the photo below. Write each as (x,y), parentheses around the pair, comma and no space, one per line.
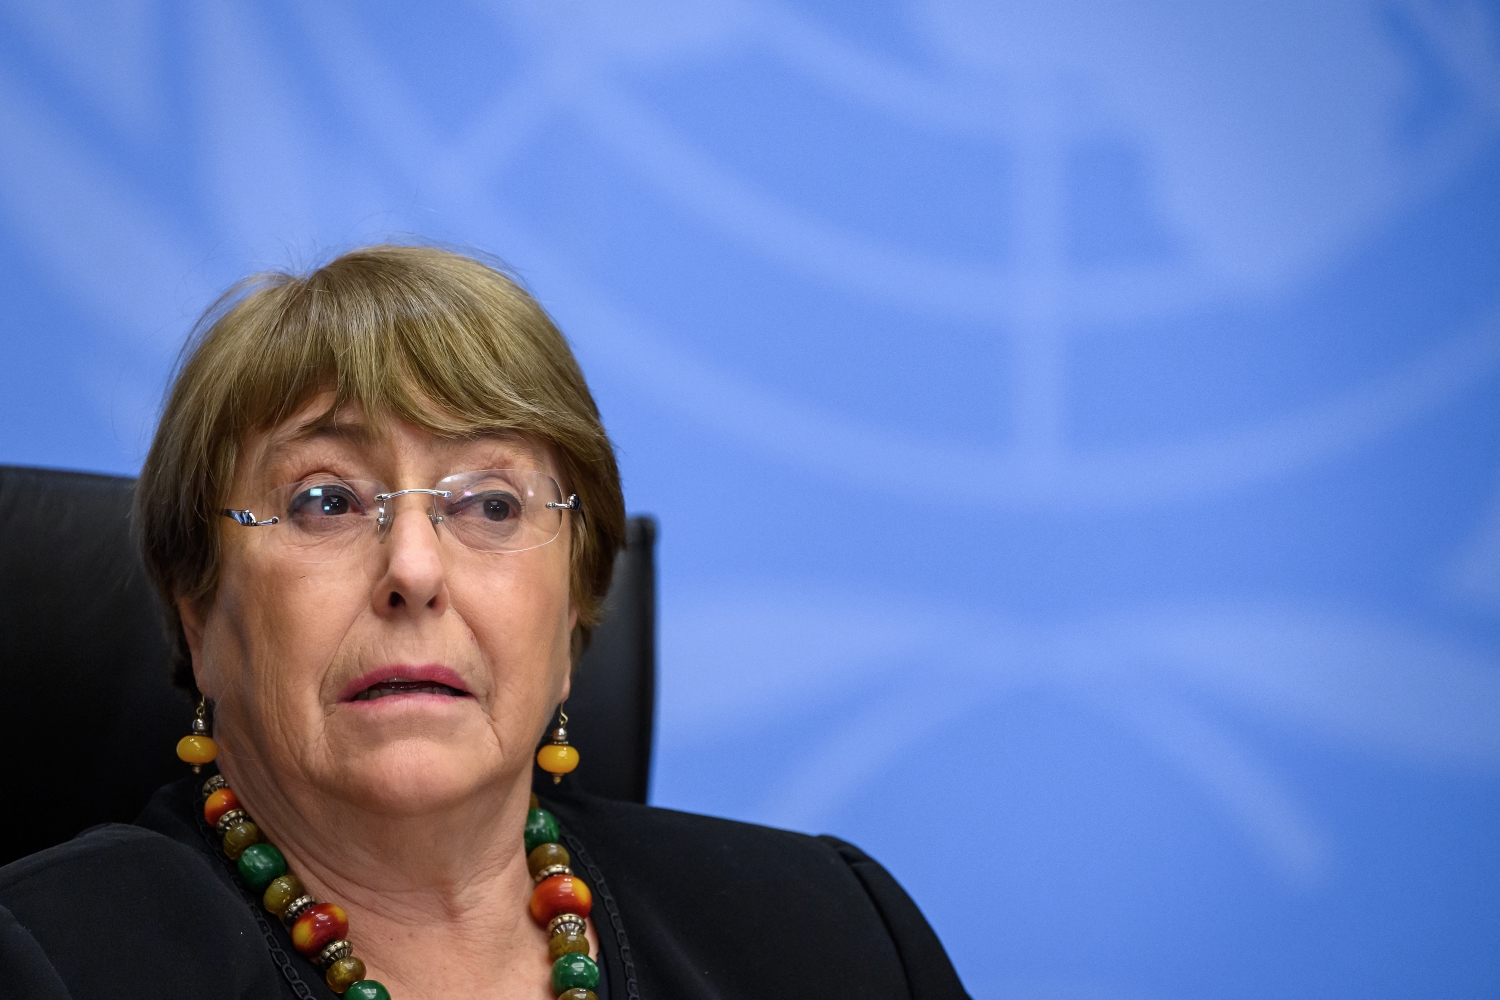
(1073,425)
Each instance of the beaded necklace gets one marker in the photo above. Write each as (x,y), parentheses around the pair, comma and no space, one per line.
(560,902)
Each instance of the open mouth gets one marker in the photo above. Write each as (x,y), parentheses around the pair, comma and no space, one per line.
(397,685)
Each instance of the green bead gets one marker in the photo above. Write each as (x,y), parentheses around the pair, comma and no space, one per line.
(260,865)
(541,828)
(574,972)
(367,989)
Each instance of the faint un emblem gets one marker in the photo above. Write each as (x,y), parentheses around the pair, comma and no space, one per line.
(1142,189)
(1256,200)
(1222,183)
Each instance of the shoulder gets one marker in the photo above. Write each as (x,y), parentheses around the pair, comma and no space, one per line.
(125,911)
(86,884)
(94,860)
(162,853)
(650,850)
(750,904)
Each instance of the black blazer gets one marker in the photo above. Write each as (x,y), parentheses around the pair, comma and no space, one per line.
(686,906)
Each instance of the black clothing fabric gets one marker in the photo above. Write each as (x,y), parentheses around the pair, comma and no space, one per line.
(687,908)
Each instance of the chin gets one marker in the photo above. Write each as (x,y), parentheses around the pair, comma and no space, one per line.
(415,775)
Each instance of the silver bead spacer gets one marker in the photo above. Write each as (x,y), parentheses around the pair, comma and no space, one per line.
(214,784)
(334,951)
(230,818)
(550,871)
(295,909)
(566,923)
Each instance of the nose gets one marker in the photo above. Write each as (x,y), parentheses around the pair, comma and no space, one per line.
(415,579)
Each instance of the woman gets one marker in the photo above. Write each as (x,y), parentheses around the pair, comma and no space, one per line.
(382,512)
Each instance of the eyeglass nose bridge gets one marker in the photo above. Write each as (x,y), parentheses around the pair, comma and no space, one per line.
(384,519)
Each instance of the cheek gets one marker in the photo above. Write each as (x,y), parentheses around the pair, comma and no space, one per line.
(279,629)
(519,620)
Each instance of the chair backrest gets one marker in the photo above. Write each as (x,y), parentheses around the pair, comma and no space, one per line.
(89,720)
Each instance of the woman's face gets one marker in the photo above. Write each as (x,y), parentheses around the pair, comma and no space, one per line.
(305,659)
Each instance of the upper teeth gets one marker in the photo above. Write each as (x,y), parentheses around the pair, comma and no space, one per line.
(389,687)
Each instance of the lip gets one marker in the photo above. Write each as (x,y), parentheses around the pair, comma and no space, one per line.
(434,673)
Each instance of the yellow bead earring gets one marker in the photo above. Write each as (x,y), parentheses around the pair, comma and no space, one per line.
(198,748)
(558,758)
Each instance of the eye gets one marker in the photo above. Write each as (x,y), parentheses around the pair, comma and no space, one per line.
(328,500)
(498,508)
(491,505)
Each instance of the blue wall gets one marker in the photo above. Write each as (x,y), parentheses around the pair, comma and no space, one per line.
(1073,426)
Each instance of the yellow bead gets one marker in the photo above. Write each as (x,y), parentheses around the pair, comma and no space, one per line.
(197,749)
(566,944)
(549,855)
(557,758)
(344,973)
(239,837)
(281,892)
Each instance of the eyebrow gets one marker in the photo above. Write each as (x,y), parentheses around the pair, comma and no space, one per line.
(354,432)
(349,431)
(330,428)
(360,433)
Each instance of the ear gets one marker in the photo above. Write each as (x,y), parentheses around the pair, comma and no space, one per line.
(191,614)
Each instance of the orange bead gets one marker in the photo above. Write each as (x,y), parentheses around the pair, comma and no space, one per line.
(218,804)
(560,894)
(557,758)
(318,925)
(197,749)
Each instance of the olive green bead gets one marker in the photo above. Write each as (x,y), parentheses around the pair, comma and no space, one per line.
(280,893)
(572,972)
(259,864)
(546,856)
(240,836)
(344,973)
(367,989)
(577,995)
(541,828)
(567,944)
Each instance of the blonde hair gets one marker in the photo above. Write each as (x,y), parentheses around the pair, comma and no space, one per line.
(441,340)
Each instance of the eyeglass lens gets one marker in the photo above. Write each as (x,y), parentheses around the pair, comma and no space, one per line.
(493,510)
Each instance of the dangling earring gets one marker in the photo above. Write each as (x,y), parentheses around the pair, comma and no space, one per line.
(198,748)
(558,758)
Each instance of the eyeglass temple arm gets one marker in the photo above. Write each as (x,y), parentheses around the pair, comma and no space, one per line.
(572,503)
(247,518)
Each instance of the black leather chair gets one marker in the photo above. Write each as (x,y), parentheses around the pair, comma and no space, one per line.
(89,720)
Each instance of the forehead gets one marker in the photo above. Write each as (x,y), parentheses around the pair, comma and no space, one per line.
(386,439)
